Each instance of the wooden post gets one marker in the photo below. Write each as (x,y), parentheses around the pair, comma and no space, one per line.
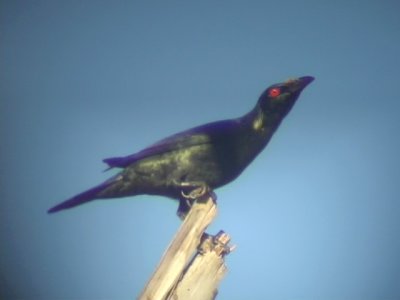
(193,262)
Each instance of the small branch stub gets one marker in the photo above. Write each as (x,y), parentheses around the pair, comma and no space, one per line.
(201,278)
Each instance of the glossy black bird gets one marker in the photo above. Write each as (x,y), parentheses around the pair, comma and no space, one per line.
(210,155)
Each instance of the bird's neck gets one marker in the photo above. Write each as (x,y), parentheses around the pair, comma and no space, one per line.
(257,129)
(261,122)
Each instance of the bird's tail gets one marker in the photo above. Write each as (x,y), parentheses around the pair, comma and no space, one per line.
(81,198)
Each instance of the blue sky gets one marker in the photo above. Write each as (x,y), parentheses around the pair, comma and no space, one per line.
(316,216)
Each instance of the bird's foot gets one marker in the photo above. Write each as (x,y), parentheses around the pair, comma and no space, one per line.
(191,192)
(197,190)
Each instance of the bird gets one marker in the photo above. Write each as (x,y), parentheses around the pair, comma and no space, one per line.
(201,158)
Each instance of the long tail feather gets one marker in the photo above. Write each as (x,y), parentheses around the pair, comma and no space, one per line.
(81,198)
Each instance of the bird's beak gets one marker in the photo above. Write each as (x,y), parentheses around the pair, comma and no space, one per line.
(298,84)
(306,80)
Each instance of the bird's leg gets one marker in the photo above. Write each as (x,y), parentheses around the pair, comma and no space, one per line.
(190,192)
(183,208)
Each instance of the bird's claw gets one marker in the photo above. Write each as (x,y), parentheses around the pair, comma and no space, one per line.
(190,192)
(196,193)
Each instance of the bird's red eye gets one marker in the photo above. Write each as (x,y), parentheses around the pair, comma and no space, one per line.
(275,92)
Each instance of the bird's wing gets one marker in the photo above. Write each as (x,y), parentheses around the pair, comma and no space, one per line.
(196,136)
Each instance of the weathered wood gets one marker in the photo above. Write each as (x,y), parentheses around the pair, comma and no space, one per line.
(180,251)
(201,278)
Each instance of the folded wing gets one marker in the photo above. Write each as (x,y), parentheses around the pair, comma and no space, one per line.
(192,137)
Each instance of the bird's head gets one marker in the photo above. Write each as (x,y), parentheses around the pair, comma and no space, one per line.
(279,98)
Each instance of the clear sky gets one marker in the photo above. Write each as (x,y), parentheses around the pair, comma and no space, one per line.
(316,216)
